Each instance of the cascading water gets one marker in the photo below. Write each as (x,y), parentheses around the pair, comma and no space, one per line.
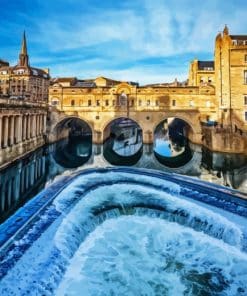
(129,232)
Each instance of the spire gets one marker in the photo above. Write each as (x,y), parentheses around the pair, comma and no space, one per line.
(23,56)
(24,44)
(226,30)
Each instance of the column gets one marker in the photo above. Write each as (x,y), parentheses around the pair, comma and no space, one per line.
(37,125)
(16,129)
(44,124)
(24,127)
(34,126)
(40,124)
(12,128)
(28,127)
(20,129)
(6,131)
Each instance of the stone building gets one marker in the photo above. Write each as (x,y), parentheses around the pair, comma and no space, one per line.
(228,74)
(216,92)
(22,81)
(23,107)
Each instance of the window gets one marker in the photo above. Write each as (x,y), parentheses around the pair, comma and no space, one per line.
(89,102)
(245,116)
(148,102)
(245,100)
(107,102)
(245,77)
(113,102)
(97,102)
(245,58)
(173,102)
(156,103)
(72,102)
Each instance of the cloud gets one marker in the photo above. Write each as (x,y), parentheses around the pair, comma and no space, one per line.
(124,37)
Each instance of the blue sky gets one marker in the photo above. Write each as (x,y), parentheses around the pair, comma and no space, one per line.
(140,40)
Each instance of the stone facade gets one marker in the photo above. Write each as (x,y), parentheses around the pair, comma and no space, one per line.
(100,101)
(22,81)
(228,74)
(23,107)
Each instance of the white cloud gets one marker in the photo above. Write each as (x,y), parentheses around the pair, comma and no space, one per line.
(158,29)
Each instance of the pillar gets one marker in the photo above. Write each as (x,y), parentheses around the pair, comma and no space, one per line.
(20,129)
(6,131)
(34,126)
(24,127)
(12,129)
(44,124)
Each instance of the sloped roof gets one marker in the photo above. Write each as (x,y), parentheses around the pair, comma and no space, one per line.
(238,37)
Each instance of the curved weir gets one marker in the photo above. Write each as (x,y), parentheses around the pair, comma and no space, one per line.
(127,232)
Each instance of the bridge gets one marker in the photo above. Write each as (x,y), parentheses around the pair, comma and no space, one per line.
(102,104)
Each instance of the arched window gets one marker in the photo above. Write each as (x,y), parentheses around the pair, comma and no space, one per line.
(123,99)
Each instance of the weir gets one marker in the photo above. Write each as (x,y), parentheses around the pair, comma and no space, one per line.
(117,213)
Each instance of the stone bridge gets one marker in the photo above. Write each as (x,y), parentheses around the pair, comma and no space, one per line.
(147,106)
(98,122)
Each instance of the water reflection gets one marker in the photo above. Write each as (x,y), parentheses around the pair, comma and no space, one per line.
(73,153)
(171,146)
(76,149)
(25,178)
(122,142)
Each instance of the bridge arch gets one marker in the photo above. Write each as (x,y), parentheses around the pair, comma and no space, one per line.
(74,147)
(191,121)
(122,141)
(59,121)
(108,122)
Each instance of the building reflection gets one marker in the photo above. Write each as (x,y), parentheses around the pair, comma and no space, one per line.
(26,177)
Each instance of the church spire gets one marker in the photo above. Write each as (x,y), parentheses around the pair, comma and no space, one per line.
(23,56)
(226,30)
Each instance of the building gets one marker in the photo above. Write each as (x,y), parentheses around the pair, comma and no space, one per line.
(228,74)
(215,94)
(23,107)
(22,81)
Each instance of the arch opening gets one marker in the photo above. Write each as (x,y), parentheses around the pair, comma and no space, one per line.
(171,143)
(123,142)
(75,145)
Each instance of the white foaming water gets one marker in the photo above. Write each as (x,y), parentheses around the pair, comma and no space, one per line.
(169,245)
(148,256)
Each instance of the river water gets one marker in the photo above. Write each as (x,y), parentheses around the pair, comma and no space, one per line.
(66,157)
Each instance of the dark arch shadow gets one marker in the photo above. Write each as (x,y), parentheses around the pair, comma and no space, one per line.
(76,149)
(171,145)
(123,143)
